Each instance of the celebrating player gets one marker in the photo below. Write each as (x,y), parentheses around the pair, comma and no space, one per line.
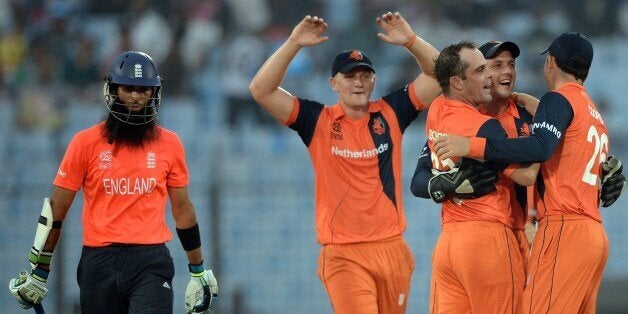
(570,139)
(500,66)
(127,167)
(482,221)
(355,147)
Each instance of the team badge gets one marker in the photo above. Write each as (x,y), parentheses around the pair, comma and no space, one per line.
(151,160)
(356,55)
(524,130)
(378,126)
(138,70)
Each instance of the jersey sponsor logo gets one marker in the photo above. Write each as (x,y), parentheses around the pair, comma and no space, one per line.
(61,173)
(547,126)
(365,153)
(151,160)
(433,134)
(336,131)
(595,114)
(378,126)
(128,186)
(138,70)
(106,159)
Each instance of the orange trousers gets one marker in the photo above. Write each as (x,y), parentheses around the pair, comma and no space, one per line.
(476,268)
(568,257)
(367,278)
(524,247)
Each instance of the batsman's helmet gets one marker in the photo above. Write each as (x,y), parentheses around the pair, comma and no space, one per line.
(133,68)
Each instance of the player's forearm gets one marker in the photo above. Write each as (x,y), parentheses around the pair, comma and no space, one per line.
(425,54)
(60,202)
(195,256)
(271,74)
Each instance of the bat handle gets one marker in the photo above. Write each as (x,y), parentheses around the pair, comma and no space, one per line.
(39,309)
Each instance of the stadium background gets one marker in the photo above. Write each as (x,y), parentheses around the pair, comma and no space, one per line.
(251,179)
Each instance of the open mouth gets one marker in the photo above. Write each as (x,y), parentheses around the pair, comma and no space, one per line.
(506,82)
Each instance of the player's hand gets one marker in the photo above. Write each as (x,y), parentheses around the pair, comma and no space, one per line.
(467,182)
(29,289)
(202,291)
(452,146)
(613,181)
(529,102)
(398,31)
(309,31)
(530,230)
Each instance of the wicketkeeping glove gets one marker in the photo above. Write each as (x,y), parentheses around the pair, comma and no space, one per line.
(466,182)
(613,181)
(29,289)
(202,291)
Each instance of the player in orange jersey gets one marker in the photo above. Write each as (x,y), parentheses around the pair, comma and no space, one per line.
(515,120)
(462,280)
(570,138)
(127,166)
(355,147)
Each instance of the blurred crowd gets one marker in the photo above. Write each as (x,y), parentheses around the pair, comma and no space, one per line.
(54,52)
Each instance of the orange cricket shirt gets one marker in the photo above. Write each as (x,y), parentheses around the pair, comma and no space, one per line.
(357,165)
(516,122)
(448,116)
(571,176)
(125,189)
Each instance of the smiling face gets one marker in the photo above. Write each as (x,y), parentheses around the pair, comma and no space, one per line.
(475,88)
(355,87)
(503,75)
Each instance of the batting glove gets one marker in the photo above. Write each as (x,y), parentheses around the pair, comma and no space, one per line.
(29,289)
(613,181)
(465,183)
(202,291)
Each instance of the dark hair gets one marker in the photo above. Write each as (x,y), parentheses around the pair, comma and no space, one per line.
(449,64)
(578,73)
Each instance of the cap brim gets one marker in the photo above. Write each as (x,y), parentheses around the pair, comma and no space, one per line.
(347,68)
(546,51)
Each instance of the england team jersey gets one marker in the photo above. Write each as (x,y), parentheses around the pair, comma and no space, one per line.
(125,189)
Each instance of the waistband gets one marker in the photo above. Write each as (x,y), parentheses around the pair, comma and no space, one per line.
(382,241)
(566,217)
(126,245)
(473,223)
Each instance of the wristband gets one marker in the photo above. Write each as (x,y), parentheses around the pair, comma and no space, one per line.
(410,42)
(190,237)
(196,268)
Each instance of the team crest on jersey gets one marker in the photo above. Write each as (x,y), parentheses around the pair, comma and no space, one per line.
(524,130)
(138,70)
(106,159)
(378,126)
(151,160)
(336,131)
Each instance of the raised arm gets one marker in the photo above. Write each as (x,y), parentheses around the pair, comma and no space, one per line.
(265,87)
(398,32)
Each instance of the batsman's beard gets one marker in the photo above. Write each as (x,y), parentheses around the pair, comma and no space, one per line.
(116,131)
